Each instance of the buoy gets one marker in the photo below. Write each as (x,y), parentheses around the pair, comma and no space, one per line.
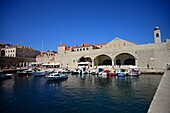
(27,76)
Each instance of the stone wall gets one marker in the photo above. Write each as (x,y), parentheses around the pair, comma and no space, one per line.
(153,56)
(15,61)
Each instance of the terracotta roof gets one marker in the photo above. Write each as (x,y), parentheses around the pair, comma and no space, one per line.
(63,45)
(100,44)
(87,45)
(67,49)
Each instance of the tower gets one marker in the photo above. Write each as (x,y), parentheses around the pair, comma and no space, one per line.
(157,35)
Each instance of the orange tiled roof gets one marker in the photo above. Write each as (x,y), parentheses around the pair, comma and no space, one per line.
(63,45)
(100,44)
(87,44)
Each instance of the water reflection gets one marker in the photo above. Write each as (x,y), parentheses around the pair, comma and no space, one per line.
(117,94)
(55,82)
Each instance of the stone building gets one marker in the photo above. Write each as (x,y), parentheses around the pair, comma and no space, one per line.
(19,51)
(118,52)
(17,55)
(47,57)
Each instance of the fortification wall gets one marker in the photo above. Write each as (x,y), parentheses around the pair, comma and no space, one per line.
(14,61)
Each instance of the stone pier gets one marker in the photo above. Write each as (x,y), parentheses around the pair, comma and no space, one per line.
(161,100)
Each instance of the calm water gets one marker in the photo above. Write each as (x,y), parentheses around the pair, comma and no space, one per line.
(78,94)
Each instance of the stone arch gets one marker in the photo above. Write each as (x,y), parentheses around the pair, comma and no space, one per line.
(85,59)
(124,59)
(102,59)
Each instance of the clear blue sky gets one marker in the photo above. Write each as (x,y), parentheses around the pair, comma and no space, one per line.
(74,22)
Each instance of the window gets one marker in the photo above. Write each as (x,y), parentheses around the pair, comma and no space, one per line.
(157,35)
(124,44)
(80,49)
(87,48)
(77,49)
(83,49)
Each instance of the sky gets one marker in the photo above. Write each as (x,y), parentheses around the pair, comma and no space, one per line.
(74,22)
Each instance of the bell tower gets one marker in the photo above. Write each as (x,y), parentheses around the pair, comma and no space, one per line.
(157,35)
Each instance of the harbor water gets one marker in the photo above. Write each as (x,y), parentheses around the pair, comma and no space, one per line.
(78,94)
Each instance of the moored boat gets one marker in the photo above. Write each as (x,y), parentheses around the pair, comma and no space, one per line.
(24,73)
(5,76)
(122,72)
(56,76)
(134,71)
(39,73)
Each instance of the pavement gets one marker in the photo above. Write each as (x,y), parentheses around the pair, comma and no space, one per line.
(161,100)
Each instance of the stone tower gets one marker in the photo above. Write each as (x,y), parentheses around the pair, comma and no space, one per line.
(157,35)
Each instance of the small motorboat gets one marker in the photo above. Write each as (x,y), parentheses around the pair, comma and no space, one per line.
(5,76)
(134,71)
(39,73)
(122,72)
(56,76)
(76,72)
(24,73)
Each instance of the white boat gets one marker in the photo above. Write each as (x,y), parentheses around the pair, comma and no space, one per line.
(75,72)
(39,73)
(122,72)
(134,71)
(25,72)
(56,76)
(5,76)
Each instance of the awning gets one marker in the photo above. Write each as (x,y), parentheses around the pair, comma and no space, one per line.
(52,64)
(84,63)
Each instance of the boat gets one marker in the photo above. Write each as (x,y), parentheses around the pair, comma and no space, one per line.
(5,76)
(39,73)
(76,72)
(105,73)
(122,72)
(56,76)
(25,72)
(134,71)
(9,75)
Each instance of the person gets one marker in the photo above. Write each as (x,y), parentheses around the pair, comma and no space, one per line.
(148,66)
(168,67)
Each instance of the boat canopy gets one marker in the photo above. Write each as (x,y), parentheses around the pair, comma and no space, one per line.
(134,67)
(52,64)
(81,63)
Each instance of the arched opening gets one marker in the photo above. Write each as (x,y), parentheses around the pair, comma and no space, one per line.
(85,62)
(129,61)
(157,34)
(2,52)
(102,60)
(85,59)
(124,59)
(118,62)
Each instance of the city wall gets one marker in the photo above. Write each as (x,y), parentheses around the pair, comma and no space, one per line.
(15,61)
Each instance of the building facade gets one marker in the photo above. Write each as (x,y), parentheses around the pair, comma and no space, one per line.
(17,55)
(47,57)
(118,52)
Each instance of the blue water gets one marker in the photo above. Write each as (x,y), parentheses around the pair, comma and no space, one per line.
(78,94)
